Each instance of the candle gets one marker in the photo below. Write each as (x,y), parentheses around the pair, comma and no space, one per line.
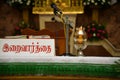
(80,35)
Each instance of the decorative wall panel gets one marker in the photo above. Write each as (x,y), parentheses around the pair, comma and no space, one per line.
(66,6)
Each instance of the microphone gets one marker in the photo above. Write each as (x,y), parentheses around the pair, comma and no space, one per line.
(57,11)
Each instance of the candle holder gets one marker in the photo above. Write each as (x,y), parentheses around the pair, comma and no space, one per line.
(80,40)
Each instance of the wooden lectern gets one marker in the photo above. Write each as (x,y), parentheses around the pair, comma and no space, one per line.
(58,29)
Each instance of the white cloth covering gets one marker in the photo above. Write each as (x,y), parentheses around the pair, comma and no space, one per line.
(64,59)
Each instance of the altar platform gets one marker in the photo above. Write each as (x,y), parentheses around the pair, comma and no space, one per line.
(61,66)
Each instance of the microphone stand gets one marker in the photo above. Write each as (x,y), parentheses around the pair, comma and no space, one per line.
(67,36)
(66,23)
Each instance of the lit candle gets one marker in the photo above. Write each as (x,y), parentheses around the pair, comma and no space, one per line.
(80,35)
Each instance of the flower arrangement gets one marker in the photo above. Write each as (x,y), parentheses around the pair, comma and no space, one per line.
(20,4)
(20,25)
(95,31)
(96,2)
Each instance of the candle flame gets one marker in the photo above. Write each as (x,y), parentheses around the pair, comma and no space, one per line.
(80,32)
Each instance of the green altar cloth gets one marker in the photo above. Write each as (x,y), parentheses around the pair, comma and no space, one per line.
(60,68)
(99,70)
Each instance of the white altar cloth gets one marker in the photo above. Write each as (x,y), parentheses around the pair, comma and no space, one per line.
(64,59)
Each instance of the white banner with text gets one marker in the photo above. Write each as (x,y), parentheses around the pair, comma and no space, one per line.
(13,48)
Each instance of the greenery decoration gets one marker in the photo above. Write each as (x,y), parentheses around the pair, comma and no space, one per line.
(20,25)
(96,31)
(20,4)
